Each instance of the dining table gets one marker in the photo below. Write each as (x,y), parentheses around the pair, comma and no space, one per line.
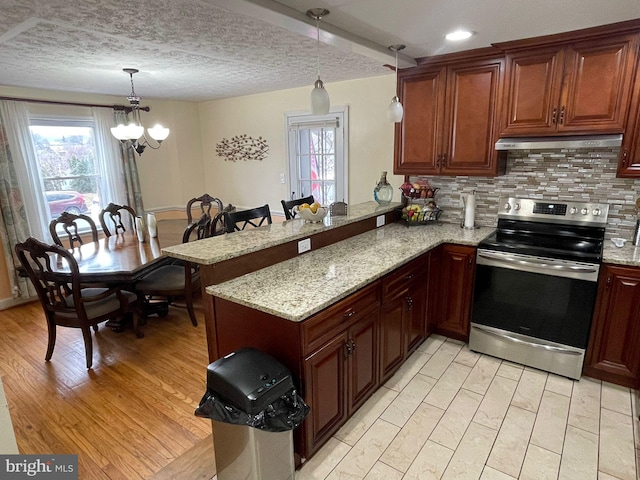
(122,259)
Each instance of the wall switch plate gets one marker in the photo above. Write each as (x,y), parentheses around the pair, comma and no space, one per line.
(282,178)
(379,221)
(304,245)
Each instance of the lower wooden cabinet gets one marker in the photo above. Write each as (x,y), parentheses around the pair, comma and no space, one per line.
(451,274)
(613,353)
(342,373)
(403,315)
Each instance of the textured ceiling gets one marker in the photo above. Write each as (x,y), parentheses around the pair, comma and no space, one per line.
(210,49)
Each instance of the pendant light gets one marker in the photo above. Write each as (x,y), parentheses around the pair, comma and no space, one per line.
(319,96)
(395,111)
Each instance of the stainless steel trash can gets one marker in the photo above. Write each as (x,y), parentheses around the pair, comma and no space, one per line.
(254,407)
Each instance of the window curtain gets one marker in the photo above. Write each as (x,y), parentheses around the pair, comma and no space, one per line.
(130,169)
(110,157)
(14,224)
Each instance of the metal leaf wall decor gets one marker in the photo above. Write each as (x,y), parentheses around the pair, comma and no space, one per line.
(242,147)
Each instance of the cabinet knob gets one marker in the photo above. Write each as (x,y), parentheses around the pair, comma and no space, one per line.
(554,115)
(409,303)
(348,314)
(347,348)
(409,277)
(608,281)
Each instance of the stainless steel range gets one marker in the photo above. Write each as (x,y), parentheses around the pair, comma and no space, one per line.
(536,283)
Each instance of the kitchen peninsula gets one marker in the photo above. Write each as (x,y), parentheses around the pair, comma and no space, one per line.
(342,318)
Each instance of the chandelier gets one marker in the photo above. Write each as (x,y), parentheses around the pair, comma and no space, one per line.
(133,134)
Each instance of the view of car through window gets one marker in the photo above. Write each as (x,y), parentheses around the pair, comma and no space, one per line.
(68,168)
(72,202)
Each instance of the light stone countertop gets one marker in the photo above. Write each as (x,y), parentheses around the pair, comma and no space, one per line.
(223,247)
(297,288)
(627,255)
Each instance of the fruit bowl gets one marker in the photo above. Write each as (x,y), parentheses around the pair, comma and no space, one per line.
(309,216)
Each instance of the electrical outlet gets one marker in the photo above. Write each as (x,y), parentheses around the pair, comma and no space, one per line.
(304,245)
(282,178)
(379,221)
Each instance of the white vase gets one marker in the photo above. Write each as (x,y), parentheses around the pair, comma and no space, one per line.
(152,225)
(140,229)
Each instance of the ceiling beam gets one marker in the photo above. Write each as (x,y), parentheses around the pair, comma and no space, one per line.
(290,19)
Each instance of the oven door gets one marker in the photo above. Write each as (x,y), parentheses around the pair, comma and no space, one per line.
(526,307)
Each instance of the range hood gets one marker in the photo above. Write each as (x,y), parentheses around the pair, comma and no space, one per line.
(545,143)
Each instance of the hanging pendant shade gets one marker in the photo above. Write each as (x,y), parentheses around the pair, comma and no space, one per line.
(395,111)
(320,102)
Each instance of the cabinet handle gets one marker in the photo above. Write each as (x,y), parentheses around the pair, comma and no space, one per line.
(625,155)
(409,303)
(562,115)
(409,277)
(444,159)
(353,346)
(553,115)
(347,348)
(348,314)
(470,261)
(608,281)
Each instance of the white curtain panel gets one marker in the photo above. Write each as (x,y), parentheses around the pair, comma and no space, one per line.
(113,180)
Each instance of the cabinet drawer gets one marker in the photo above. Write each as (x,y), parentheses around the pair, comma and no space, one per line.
(395,283)
(320,328)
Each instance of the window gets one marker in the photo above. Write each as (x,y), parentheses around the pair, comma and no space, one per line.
(68,166)
(317,156)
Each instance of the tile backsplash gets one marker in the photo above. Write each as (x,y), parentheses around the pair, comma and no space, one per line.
(567,174)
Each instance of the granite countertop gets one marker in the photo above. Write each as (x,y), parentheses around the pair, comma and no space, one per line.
(297,288)
(216,249)
(627,255)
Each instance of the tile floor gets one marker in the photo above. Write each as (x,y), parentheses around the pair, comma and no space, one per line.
(450,413)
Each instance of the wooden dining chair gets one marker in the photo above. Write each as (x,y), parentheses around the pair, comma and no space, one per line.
(64,299)
(69,223)
(178,279)
(113,212)
(287,205)
(239,220)
(205,202)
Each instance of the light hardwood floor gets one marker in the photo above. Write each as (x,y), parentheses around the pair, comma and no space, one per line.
(131,416)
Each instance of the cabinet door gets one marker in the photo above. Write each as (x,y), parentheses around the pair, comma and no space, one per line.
(416,304)
(532,93)
(471,118)
(456,289)
(325,391)
(614,347)
(417,137)
(629,162)
(598,78)
(363,359)
(392,336)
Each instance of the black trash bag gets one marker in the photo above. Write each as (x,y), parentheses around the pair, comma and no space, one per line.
(285,413)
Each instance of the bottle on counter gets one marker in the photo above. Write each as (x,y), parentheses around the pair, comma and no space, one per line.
(383,192)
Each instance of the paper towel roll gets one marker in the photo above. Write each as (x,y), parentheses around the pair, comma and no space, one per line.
(470,210)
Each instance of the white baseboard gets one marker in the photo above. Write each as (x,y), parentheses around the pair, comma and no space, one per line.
(6,303)
(8,445)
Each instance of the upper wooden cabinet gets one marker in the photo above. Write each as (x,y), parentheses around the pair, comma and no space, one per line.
(580,87)
(451,115)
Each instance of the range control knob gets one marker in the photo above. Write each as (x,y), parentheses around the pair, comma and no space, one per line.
(573,210)
(596,212)
(507,206)
(516,206)
(584,211)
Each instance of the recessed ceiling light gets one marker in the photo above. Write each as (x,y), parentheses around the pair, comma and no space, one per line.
(458,35)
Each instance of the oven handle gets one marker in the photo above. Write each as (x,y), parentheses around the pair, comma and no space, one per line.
(531,344)
(538,264)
